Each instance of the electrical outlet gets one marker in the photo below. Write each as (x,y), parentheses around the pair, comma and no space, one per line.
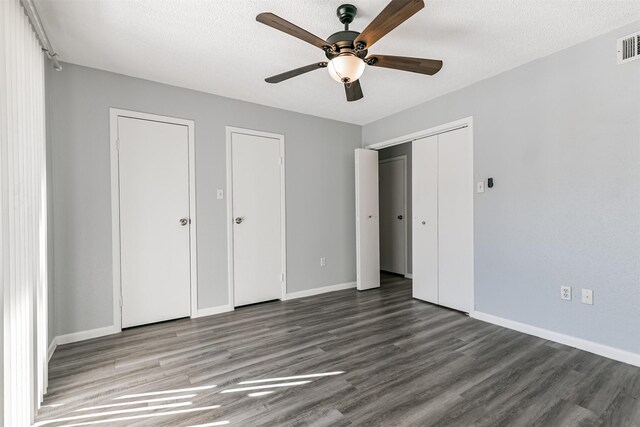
(219,194)
(565,292)
(480,187)
(323,262)
(587,296)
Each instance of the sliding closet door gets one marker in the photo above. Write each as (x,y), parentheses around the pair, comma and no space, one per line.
(455,224)
(443,219)
(425,218)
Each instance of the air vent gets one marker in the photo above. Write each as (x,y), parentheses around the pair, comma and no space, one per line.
(629,48)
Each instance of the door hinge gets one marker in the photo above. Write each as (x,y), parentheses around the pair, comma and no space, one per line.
(120,302)
(282,277)
(281,160)
(118,144)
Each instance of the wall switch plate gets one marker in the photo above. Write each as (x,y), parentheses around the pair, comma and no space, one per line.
(480,188)
(323,262)
(565,292)
(219,194)
(587,296)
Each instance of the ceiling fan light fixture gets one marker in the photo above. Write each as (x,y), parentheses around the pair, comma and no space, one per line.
(346,68)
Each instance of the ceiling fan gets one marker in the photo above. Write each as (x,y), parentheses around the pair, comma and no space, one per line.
(347,50)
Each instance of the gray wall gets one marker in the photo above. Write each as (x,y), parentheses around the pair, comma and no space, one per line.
(396,151)
(561,137)
(319,185)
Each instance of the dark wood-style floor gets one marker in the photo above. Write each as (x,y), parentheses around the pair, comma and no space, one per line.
(403,362)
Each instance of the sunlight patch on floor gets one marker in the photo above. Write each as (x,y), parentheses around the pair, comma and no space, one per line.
(260,387)
(117,412)
(155,393)
(295,377)
(137,417)
(217,423)
(137,402)
(263,387)
(260,393)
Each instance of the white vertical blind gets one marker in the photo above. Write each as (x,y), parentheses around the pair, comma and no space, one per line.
(23,220)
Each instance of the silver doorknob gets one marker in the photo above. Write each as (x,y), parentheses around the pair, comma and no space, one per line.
(184,221)
(399,216)
(238,220)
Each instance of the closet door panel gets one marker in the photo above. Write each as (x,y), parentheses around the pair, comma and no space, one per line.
(455,213)
(425,219)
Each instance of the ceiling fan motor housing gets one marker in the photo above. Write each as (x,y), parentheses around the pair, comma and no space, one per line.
(343,40)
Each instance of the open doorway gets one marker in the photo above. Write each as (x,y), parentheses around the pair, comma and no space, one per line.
(394,188)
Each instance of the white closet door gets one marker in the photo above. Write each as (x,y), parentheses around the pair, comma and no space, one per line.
(393,244)
(257,215)
(154,198)
(455,213)
(367,221)
(425,218)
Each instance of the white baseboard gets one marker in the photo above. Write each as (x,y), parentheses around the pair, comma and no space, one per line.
(322,290)
(52,347)
(582,344)
(213,310)
(86,335)
(408,276)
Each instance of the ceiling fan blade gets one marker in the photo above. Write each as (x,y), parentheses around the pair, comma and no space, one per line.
(285,26)
(396,12)
(354,91)
(292,73)
(405,63)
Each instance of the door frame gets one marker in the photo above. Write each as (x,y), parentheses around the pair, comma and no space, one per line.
(403,159)
(283,213)
(437,130)
(114,113)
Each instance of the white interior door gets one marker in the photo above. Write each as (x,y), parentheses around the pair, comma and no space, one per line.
(257,218)
(425,218)
(367,221)
(455,213)
(154,221)
(393,245)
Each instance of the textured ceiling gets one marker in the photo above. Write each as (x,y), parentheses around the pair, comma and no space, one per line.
(217,46)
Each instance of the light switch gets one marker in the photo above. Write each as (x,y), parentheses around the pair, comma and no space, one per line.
(480,187)
(220,194)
